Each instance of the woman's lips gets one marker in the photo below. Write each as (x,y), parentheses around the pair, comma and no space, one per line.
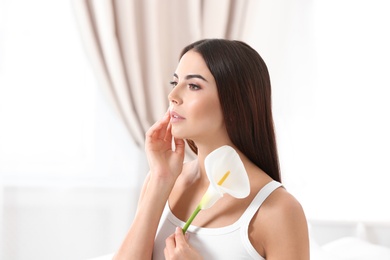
(175,117)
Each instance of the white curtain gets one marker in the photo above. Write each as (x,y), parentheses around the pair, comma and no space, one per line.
(134,47)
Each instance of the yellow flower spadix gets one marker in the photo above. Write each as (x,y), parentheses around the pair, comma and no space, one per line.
(223,178)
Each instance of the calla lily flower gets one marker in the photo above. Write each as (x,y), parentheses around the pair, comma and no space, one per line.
(226,174)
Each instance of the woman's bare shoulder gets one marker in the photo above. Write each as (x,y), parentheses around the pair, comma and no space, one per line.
(280,221)
(281,202)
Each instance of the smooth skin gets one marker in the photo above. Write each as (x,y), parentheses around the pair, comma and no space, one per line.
(279,229)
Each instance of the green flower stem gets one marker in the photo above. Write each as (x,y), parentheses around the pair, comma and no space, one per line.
(189,221)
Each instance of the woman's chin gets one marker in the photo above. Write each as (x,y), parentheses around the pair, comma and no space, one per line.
(183,134)
(179,136)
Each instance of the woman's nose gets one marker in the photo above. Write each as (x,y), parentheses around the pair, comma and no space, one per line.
(174,96)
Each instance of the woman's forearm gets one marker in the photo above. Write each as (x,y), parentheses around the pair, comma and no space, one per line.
(165,166)
(139,240)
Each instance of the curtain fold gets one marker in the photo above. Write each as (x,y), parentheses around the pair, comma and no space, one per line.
(134,46)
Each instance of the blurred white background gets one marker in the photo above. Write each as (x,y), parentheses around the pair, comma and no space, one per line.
(330,63)
(70,173)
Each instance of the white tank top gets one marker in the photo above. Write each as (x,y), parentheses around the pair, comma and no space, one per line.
(230,242)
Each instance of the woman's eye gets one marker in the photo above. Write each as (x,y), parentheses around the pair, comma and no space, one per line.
(173,83)
(193,87)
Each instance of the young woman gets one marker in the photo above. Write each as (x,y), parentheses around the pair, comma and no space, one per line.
(221,96)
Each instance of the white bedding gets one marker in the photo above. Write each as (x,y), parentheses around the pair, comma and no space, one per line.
(349,248)
(332,240)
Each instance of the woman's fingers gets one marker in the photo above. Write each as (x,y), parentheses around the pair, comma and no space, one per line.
(162,157)
(170,246)
(179,146)
(177,247)
(159,129)
(180,239)
(168,133)
(164,125)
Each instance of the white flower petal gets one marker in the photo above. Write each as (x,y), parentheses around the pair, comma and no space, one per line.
(224,159)
(210,197)
(218,163)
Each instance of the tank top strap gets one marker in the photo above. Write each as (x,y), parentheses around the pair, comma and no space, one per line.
(261,196)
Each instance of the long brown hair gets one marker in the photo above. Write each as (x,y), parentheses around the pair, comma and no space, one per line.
(244,91)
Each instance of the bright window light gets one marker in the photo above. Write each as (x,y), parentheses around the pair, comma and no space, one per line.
(47,90)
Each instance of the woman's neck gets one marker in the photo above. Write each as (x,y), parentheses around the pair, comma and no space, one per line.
(203,152)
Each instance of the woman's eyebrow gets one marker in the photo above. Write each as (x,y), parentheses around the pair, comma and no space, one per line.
(190,76)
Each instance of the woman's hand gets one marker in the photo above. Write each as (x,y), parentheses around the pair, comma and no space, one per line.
(165,166)
(163,161)
(177,247)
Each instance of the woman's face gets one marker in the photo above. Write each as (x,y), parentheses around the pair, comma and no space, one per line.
(195,109)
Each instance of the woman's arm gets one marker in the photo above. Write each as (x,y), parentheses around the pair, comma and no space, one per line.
(165,166)
(279,230)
